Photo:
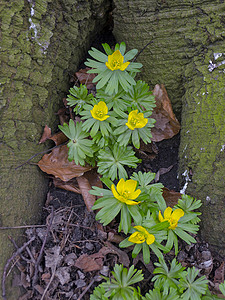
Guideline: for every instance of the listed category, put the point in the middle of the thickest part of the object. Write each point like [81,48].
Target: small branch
[35,278]
[50,281]
[8,263]
[142,50]
[86,289]
[23,226]
[39,153]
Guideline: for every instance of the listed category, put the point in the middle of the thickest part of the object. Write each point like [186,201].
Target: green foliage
[99,294]
[120,286]
[190,287]
[108,78]
[115,118]
[111,161]
[126,136]
[78,97]
[167,278]
[156,294]
[80,148]
[110,207]
[140,97]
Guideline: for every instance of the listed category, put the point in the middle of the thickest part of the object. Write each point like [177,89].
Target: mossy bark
[187,36]
[43,42]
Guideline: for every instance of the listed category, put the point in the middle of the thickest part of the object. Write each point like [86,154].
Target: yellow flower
[115,62]
[141,236]
[99,111]
[126,191]
[136,120]
[171,217]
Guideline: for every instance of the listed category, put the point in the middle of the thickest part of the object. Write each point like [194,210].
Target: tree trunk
[43,42]
[188,38]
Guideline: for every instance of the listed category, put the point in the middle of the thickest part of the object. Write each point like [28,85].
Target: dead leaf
[85,187]
[123,257]
[94,262]
[86,78]
[147,151]
[70,185]
[219,274]
[59,138]
[63,117]
[162,171]
[171,197]
[53,258]
[90,263]
[57,164]
[166,125]
[63,275]
[46,134]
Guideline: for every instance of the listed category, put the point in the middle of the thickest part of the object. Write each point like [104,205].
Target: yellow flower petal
[161,219]
[136,120]
[141,229]
[150,239]
[167,213]
[115,62]
[121,186]
[99,111]
[177,214]
[137,238]
[115,194]
[129,125]
[135,194]
[124,66]
[130,185]
[130,202]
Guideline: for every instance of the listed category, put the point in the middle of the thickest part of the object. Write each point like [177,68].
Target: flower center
[140,237]
[100,113]
[116,64]
[134,122]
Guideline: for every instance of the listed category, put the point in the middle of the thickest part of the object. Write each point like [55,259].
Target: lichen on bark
[43,43]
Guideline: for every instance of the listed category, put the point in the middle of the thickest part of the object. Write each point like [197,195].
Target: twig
[39,153]
[50,281]
[23,226]
[86,289]
[35,278]
[20,254]
[7,265]
[142,50]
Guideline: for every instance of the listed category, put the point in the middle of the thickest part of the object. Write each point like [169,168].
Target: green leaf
[107,49]
[146,253]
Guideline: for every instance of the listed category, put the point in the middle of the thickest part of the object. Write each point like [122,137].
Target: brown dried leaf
[63,117]
[166,125]
[57,164]
[85,187]
[147,151]
[46,134]
[86,78]
[59,138]
[162,171]
[123,257]
[70,185]
[90,263]
[171,197]
[219,274]
[93,178]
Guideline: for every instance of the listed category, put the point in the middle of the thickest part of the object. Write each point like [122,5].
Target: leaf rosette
[113,68]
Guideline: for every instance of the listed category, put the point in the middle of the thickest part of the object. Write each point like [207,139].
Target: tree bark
[187,39]
[43,42]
